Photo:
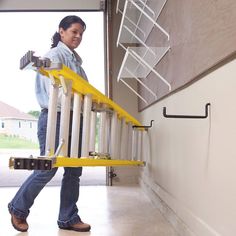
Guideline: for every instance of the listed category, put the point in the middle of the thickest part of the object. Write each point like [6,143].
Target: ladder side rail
[82,86]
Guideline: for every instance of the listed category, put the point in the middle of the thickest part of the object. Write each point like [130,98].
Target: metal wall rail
[188,116]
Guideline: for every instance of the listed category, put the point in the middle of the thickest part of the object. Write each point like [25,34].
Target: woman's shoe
[19,224]
[79,227]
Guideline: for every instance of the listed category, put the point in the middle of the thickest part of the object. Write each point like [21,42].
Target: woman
[64,43]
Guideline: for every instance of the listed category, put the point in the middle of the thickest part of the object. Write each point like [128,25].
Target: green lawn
[16,142]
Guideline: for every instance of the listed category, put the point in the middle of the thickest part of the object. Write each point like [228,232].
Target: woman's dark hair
[65,23]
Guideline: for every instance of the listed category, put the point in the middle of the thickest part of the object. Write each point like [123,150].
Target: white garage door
[16,5]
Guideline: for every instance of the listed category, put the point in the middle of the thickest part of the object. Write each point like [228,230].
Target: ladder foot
[21,163]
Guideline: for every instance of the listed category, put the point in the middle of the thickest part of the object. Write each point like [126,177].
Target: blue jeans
[29,190]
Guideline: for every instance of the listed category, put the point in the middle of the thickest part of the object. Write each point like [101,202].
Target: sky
[21,32]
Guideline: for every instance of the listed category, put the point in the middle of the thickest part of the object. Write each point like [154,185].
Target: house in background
[17,123]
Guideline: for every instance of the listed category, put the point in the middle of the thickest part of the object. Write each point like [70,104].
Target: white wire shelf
[138,62]
[138,19]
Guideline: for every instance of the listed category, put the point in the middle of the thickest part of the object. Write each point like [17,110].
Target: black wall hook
[187,116]
[143,126]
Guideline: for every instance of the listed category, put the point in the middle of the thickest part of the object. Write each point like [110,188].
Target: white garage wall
[191,166]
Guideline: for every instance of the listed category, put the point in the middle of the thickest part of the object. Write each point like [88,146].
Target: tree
[34,113]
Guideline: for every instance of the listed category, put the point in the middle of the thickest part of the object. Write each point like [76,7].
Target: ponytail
[55,39]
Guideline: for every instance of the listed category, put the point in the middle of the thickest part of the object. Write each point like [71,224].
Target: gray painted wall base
[167,212]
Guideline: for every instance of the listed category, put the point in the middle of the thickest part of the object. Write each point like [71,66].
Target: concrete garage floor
[111,211]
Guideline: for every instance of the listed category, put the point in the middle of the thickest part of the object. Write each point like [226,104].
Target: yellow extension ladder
[119,132]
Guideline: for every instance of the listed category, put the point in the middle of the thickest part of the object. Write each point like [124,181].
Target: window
[19,124]
[2,125]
